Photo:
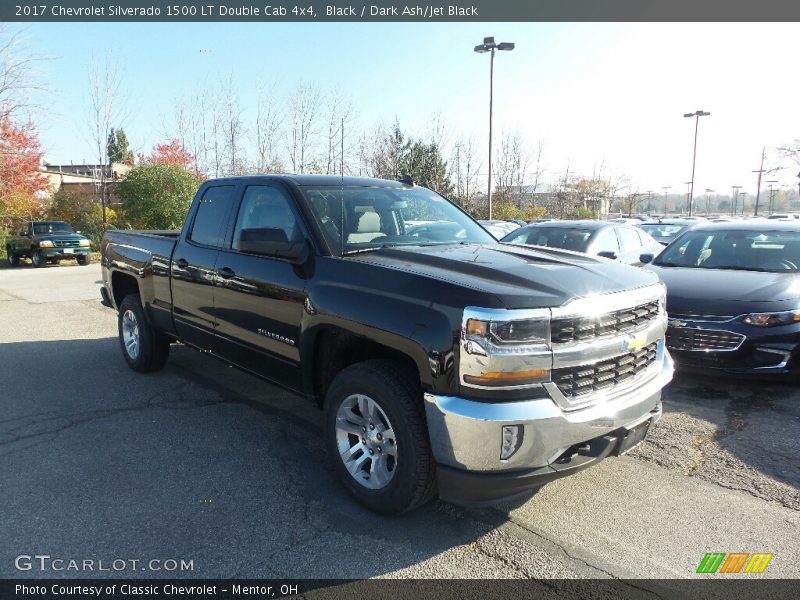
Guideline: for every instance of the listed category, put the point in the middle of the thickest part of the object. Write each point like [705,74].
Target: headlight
[772,319]
[84,243]
[45,244]
[527,331]
[500,352]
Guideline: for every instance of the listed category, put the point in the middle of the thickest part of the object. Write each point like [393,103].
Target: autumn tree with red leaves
[172,153]
[20,178]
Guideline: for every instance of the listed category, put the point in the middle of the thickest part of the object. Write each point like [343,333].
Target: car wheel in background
[83,259]
[13,259]
[38,258]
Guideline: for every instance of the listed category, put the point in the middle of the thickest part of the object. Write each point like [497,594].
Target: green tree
[425,164]
[80,210]
[118,148]
[157,196]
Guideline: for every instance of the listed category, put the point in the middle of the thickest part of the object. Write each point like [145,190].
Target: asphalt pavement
[208,466]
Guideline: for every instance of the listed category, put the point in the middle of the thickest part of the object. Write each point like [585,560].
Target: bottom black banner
[418,589]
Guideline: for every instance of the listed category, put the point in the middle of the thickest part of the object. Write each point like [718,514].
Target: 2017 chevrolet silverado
[446,362]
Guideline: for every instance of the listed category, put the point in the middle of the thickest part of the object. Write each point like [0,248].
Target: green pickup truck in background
[48,241]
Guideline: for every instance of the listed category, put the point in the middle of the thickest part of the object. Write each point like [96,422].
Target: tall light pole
[760,173]
[697,114]
[666,188]
[734,198]
[708,201]
[689,185]
[489,45]
[744,198]
[771,193]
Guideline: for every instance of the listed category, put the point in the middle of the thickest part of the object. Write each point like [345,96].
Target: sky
[601,98]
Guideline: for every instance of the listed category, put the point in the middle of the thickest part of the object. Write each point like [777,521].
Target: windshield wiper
[735,268]
[371,249]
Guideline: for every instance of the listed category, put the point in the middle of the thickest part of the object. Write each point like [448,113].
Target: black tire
[83,259]
[13,259]
[38,259]
[151,349]
[399,397]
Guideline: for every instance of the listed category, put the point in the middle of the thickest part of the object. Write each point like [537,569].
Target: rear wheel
[144,349]
[13,259]
[38,258]
[376,433]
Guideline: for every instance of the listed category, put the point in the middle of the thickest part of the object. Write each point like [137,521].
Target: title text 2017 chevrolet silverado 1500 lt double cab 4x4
[446,362]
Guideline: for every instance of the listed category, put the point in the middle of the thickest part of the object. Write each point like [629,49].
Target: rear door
[630,245]
[193,265]
[259,299]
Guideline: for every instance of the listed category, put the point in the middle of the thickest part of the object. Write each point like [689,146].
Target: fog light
[512,440]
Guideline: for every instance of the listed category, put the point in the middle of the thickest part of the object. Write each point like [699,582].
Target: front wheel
[83,259]
[144,349]
[38,259]
[376,433]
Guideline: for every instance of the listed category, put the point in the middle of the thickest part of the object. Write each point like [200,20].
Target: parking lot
[204,464]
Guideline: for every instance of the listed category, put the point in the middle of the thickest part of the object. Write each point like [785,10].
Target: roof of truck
[324,180]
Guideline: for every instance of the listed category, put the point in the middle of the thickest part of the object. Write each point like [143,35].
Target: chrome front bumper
[467,435]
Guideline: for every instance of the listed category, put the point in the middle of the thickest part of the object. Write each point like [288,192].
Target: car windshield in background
[566,238]
[661,230]
[737,249]
[52,227]
[356,219]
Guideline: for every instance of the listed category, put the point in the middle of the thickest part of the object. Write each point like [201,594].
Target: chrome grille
[584,329]
[702,339]
[66,243]
[604,375]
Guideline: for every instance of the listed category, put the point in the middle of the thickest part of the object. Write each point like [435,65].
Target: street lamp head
[481,49]
[505,46]
[488,41]
[697,113]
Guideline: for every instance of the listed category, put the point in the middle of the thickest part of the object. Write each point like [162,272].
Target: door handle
[226,273]
[182,263]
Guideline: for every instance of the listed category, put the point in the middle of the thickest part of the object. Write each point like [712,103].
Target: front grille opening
[575,382]
[702,339]
[582,329]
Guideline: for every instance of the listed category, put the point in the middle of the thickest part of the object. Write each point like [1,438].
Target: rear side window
[211,218]
[606,241]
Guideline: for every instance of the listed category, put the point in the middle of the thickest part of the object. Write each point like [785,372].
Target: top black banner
[383,11]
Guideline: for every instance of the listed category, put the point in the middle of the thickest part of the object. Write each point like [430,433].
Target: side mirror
[23,234]
[271,242]
[645,258]
[608,254]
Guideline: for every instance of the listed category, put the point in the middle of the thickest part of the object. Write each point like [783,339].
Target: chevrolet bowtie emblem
[634,343]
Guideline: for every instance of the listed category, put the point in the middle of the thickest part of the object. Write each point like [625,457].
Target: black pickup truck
[446,363]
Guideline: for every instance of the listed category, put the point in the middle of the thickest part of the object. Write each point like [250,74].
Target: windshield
[740,249]
[51,227]
[567,238]
[357,219]
[662,230]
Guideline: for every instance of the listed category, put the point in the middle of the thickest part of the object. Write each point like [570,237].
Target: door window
[265,215]
[629,239]
[209,224]
[606,241]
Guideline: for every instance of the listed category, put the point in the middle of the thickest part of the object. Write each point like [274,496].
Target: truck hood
[519,277]
[723,292]
[59,236]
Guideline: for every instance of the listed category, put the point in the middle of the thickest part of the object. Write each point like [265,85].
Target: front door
[258,299]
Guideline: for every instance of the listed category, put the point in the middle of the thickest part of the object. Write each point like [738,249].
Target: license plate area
[633,437]
[68,250]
